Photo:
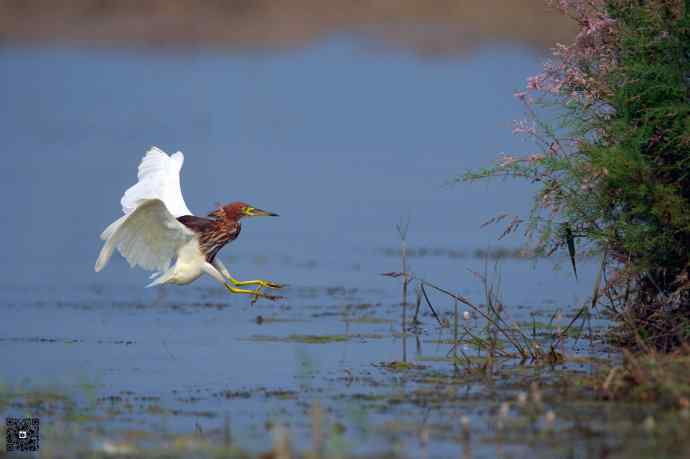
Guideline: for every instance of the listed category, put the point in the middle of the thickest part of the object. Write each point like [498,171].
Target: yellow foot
[269,284]
[258,294]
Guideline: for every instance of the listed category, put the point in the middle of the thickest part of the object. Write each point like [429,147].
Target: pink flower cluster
[577,76]
[579,69]
[524,127]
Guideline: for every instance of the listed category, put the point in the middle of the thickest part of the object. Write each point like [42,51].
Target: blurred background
[345,117]
[432,28]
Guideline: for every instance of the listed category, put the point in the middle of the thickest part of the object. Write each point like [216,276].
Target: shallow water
[344,143]
[187,356]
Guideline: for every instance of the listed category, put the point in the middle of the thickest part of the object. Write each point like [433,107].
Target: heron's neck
[230,223]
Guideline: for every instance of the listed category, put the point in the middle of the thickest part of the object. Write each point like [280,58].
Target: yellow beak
[254,212]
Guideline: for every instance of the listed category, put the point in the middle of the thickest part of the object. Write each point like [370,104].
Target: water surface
[342,140]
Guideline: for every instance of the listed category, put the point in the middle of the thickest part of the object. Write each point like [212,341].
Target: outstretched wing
[148,237]
[159,178]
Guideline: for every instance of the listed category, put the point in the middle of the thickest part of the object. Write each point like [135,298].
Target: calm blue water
[342,141]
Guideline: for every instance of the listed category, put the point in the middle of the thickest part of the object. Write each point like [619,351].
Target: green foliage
[646,143]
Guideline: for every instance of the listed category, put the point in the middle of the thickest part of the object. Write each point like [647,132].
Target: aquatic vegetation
[662,378]
[313,339]
[398,365]
[367,319]
[497,338]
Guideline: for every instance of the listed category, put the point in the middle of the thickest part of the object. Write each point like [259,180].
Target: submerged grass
[497,337]
[313,339]
[367,319]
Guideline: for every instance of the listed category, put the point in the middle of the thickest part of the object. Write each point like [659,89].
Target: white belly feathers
[189,265]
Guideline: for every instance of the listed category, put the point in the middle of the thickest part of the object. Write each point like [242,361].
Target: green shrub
[614,165]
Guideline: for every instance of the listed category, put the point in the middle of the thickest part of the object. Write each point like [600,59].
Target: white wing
[149,237]
[159,178]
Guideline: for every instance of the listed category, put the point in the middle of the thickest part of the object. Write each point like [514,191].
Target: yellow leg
[259,282]
[232,289]
[255,293]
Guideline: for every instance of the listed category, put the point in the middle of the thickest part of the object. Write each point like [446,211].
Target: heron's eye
[248,210]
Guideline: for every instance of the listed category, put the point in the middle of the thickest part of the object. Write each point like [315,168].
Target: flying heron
[157,226]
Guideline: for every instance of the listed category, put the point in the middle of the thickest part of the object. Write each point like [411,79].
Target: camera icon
[22,434]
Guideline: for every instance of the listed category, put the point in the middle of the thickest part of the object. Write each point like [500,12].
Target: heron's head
[238,210]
